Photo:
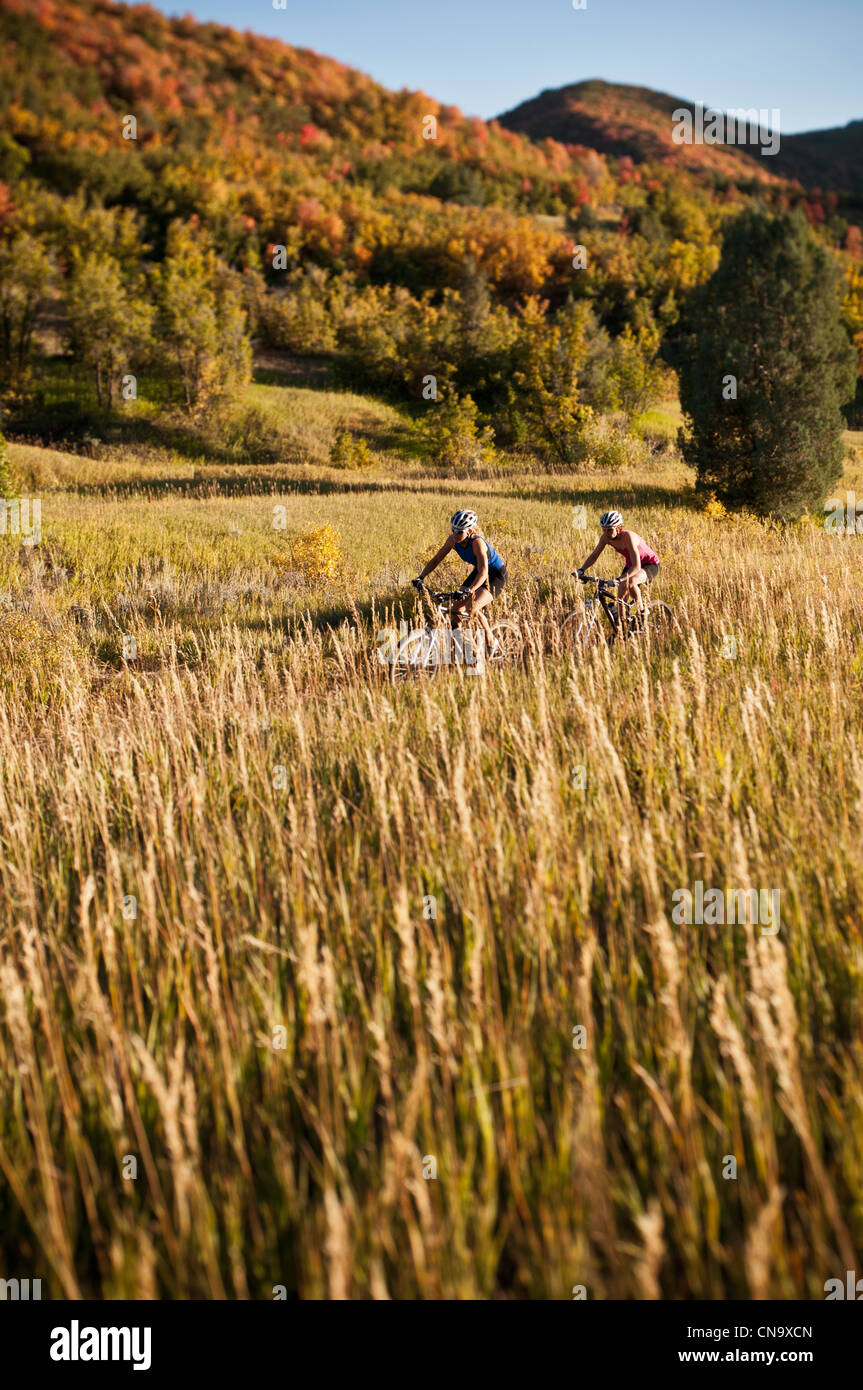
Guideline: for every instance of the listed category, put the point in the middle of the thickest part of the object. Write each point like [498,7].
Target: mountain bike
[452,642]
[585,630]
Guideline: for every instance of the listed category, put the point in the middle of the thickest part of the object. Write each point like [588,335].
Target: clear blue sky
[802,56]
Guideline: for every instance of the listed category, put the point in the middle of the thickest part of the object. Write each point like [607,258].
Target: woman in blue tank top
[488,575]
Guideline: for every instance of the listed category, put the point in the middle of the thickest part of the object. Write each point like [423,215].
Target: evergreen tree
[765,365]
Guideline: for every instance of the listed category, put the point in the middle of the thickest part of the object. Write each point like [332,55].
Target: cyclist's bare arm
[436,559]
[594,554]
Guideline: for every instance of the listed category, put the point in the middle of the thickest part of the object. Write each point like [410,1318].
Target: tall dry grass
[302,900]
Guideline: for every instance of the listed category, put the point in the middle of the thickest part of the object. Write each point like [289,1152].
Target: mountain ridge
[626,120]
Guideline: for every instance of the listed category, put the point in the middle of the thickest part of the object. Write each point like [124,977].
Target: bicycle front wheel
[582,632]
[507,643]
[417,655]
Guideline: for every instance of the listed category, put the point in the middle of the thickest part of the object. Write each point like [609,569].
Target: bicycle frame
[624,624]
[442,604]
[451,641]
[454,641]
[602,595]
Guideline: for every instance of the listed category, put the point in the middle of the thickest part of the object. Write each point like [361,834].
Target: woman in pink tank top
[641,565]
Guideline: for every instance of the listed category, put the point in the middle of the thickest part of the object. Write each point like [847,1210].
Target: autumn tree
[108,322]
[544,397]
[26,274]
[202,320]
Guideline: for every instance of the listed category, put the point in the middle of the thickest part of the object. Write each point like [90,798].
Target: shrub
[607,445]
[635,377]
[315,554]
[248,433]
[390,338]
[299,319]
[455,436]
[35,662]
[713,508]
[544,400]
[349,451]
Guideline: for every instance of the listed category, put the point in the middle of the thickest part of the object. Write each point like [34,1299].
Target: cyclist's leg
[636,581]
[459,610]
[646,578]
[630,584]
[493,585]
[481,601]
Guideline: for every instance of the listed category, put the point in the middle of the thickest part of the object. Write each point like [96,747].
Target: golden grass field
[301,901]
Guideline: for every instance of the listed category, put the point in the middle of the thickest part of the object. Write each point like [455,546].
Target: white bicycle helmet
[611,519]
[463,521]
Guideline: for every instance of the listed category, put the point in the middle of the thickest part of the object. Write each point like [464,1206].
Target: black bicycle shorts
[650,570]
[494,583]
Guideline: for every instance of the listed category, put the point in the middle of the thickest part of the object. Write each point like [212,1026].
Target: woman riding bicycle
[641,563]
[485,580]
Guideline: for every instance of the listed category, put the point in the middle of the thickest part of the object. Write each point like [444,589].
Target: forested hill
[636,123]
[324,214]
[255,119]
[255,111]
[628,122]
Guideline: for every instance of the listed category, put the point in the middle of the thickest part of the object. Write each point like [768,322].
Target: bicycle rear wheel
[657,621]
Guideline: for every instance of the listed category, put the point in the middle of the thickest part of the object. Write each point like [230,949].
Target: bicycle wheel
[582,632]
[657,621]
[417,655]
[507,643]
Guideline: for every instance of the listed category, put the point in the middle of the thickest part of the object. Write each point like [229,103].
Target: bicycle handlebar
[595,579]
[437,595]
